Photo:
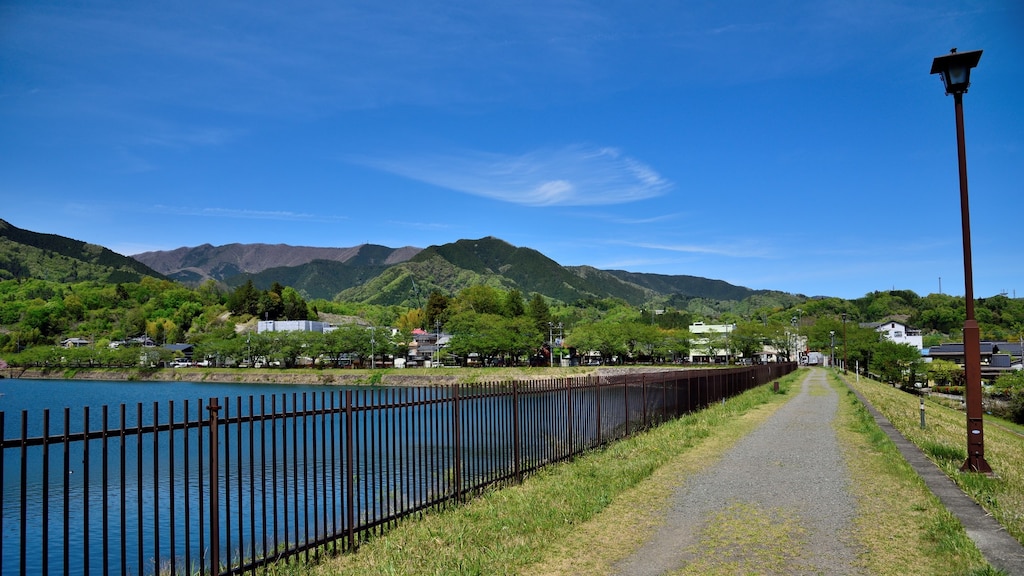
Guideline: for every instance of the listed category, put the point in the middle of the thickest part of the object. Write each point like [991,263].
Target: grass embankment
[583,516]
[505,531]
[902,527]
[944,441]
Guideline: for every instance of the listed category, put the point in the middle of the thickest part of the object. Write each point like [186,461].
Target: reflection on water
[284,475]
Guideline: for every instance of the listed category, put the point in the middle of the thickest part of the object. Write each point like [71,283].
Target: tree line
[486,320]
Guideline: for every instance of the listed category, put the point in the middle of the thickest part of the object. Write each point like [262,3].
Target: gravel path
[777,503]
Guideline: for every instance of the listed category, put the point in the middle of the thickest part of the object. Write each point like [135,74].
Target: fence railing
[225,486]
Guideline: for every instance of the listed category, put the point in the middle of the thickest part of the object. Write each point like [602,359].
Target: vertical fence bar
[138,492]
[124,515]
[252,481]
[67,481]
[273,464]
[23,544]
[263,471]
[238,483]
[214,481]
[457,442]
[46,492]
[105,547]
[201,476]
[156,487]
[625,403]
[3,439]
[569,417]
[335,459]
[295,461]
[172,548]
[517,456]
[85,491]
[323,466]
[227,484]
[350,496]
[186,494]
[643,398]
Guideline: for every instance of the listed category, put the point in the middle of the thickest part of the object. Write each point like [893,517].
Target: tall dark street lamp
[955,69]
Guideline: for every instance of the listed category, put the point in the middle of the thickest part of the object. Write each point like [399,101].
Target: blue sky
[801,147]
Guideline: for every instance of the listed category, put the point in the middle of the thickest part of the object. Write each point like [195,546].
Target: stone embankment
[329,377]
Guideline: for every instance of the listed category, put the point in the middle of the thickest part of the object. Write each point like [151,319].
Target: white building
[895,331]
[293,326]
[706,335]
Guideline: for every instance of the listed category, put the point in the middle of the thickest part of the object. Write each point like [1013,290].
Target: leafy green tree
[945,373]
[293,305]
[245,299]
[603,336]
[515,303]
[436,310]
[749,338]
[898,364]
[539,312]
[270,306]
[481,299]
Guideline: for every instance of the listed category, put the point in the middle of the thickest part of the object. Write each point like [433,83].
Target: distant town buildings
[293,326]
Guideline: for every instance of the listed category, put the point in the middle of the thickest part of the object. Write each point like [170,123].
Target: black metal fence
[227,486]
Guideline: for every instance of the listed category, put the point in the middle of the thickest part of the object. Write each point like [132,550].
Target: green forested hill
[317,279]
[26,254]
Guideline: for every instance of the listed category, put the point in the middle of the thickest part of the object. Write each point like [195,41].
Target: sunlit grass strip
[944,441]
[902,527]
[506,530]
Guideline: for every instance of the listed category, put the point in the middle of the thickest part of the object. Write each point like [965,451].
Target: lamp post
[832,353]
[551,345]
[846,359]
[796,337]
[373,342]
[955,70]
[437,344]
[561,340]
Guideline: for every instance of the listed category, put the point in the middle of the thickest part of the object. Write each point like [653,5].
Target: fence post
[213,408]
[456,432]
[643,397]
[569,416]
[517,456]
[350,489]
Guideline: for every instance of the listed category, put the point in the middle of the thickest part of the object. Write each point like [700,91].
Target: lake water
[37,395]
[81,500]
[387,475]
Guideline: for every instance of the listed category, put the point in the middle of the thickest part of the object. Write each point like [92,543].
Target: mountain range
[26,254]
[405,276]
[366,273]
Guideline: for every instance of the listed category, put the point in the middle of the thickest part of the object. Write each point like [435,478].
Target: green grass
[581,517]
[944,441]
[902,526]
[505,531]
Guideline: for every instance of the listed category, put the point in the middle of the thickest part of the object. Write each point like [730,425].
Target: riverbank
[326,377]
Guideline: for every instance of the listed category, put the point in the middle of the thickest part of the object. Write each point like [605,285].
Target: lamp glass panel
[957,75]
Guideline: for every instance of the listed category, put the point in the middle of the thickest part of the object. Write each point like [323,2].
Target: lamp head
[955,69]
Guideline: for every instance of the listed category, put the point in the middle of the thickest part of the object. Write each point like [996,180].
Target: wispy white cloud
[571,176]
[423,226]
[639,221]
[733,251]
[238,213]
